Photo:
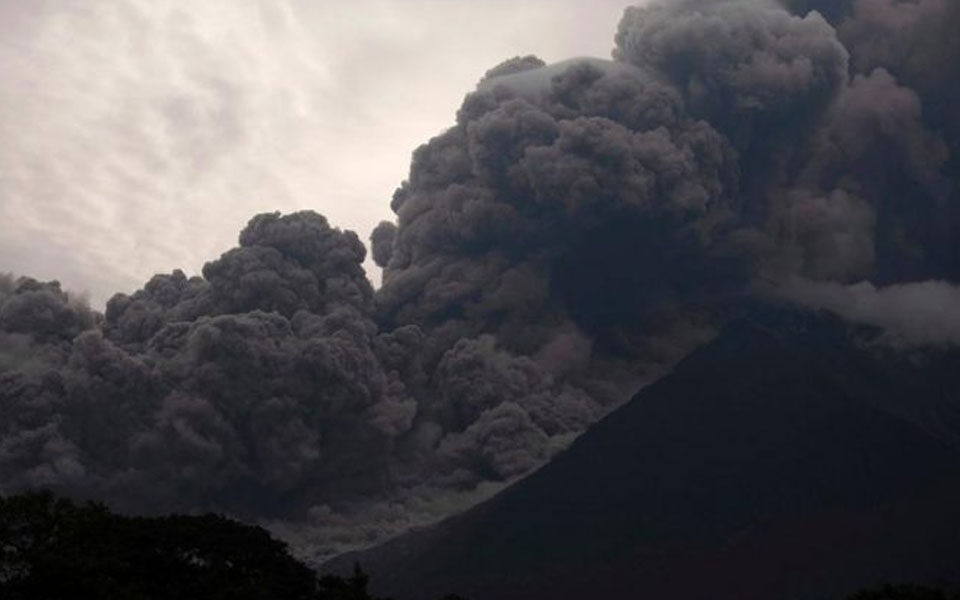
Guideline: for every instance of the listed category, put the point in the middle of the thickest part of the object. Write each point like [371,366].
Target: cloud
[143,134]
[922,313]
[575,230]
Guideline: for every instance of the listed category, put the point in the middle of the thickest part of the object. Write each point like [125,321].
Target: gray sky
[138,136]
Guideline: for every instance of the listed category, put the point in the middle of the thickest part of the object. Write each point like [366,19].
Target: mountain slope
[784,460]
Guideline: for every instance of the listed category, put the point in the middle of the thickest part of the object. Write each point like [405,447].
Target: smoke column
[579,228]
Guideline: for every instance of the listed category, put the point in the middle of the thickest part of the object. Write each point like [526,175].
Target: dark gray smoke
[909,46]
[238,391]
[579,228]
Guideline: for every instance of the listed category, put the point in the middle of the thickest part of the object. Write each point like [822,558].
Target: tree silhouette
[52,549]
[903,592]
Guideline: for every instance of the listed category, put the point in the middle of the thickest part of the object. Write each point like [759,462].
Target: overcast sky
[138,136]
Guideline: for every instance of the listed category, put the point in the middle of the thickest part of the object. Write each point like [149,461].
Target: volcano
[794,456]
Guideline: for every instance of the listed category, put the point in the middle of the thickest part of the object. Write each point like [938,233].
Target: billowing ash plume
[579,228]
[237,390]
[911,47]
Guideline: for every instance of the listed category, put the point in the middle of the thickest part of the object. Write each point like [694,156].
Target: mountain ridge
[789,441]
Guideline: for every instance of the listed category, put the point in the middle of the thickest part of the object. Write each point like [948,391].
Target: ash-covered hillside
[791,457]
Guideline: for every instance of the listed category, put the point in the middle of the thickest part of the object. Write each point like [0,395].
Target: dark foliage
[331,587]
[52,548]
[904,592]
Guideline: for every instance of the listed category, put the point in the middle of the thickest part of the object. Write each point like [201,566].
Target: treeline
[53,548]
[904,592]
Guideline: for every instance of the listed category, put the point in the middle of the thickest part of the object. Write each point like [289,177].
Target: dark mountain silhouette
[792,457]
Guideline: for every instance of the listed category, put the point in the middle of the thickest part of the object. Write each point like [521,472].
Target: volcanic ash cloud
[579,228]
